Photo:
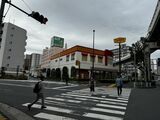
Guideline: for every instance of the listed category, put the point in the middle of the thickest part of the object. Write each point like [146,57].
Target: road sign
[120,40]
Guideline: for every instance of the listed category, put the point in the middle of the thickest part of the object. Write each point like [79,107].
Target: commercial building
[78,61]
[12,47]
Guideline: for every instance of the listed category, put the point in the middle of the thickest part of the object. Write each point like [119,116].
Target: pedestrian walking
[119,84]
[91,85]
[39,90]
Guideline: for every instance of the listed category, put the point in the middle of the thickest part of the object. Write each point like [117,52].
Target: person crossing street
[39,93]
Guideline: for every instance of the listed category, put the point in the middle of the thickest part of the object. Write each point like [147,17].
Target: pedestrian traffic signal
[39,17]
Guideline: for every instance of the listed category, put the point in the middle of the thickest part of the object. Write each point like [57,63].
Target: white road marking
[65,87]
[52,117]
[63,104]
[111,106]
[108,99]
[15,85]
[115,103]
[51,108]
[122,98]
[66,100]
[108,111]
[102,117]
[61,88]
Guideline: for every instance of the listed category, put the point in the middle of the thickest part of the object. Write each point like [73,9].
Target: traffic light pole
[2,10]
[43,20]
[17,7]
[3,6]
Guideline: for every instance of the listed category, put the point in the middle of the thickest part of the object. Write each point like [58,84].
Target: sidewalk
[144,104]
[12,113]
[2,117]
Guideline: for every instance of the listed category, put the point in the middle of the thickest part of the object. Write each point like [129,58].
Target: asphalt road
[64,102]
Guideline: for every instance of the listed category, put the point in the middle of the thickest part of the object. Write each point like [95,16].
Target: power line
[26,5]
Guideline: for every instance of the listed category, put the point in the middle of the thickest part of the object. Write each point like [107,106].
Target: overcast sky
[75,20]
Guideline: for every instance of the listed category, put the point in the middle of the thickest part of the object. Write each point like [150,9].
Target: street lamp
[93,55]
[92,78]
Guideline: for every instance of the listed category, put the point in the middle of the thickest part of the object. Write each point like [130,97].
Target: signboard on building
[120,40]
[57,42]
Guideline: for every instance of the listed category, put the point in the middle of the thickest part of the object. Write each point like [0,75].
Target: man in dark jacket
[39,94]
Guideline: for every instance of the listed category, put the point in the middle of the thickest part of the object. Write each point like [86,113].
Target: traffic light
[39,17]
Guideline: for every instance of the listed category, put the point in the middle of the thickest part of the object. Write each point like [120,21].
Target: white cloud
[75,19]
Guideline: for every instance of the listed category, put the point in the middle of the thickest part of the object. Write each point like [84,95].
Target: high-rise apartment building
[12,47]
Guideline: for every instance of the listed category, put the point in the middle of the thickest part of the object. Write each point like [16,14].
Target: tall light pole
[93,55]
[92,80]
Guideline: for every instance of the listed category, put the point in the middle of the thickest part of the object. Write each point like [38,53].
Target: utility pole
[93,55]
[120,58]
[2,10]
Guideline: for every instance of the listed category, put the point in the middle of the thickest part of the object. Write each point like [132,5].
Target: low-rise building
[80,59]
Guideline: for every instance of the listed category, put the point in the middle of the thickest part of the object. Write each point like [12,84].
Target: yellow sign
[120,40]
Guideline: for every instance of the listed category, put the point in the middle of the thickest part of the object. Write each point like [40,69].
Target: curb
[13,113]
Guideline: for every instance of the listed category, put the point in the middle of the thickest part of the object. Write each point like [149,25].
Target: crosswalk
[78,105]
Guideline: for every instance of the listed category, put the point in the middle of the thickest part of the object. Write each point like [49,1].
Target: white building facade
[80,58]
[46,55]
[12,47]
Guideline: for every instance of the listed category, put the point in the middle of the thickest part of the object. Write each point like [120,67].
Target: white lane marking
[33,86]
[77,93]
[53,102]
[15,85]
[107,111]
[66,100]
[52,117]
[115,103]
[108,99]
[122,98]
[51,108]
[111,106]
[125,97]
[61,83]
[65,87]
[63,104]
[77,98]
[102,117]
